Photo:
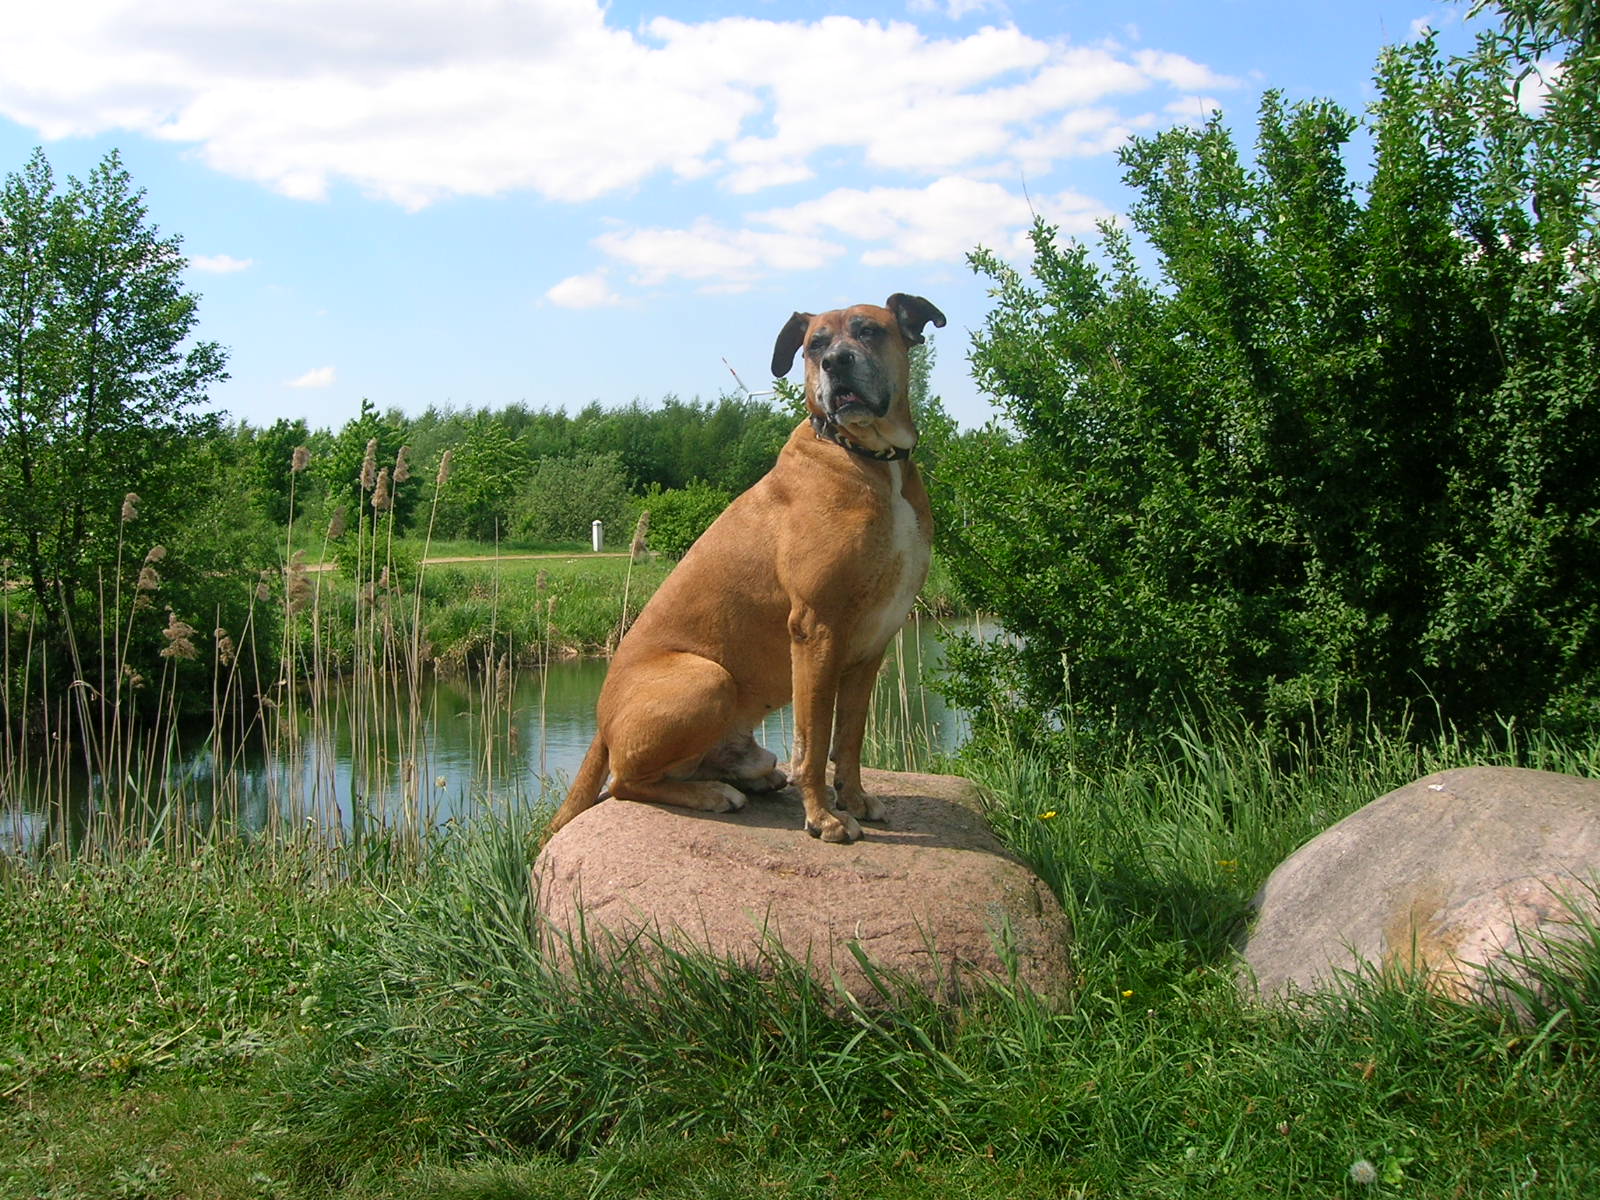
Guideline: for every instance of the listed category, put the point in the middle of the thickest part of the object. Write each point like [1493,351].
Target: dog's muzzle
[853,387]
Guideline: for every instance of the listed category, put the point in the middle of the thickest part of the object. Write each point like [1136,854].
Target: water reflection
[348,762]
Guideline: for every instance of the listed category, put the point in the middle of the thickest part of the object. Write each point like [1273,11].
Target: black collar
[828,431]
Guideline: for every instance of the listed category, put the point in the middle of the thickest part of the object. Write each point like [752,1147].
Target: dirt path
[489,558]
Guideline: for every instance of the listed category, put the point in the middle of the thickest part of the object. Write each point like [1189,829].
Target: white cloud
[317,377]
[938,223]
[714,256]
[583,291]
[220,264]
[418,100]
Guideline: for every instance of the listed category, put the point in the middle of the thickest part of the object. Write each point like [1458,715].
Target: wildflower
[1048,816]
[1128,995]
[299,459]
[1363,1172]
[130,507]
[178,634]
[369,466]
[1228,864]
[402,466]
[444,468]
[380,494]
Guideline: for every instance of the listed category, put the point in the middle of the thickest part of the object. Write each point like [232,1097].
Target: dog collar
[827,431]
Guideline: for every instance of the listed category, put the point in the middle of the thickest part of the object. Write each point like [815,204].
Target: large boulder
[1450,875]
[930,895]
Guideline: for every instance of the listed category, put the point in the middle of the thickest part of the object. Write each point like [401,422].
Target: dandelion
[380,494]
[299,459]
[1363,1172]
[444,468]
[179,635]
[402,465]
[369,466]
[130,507]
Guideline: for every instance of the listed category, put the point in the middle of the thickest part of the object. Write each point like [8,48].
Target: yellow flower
[1128,995]
[1045,816]
[1227,864]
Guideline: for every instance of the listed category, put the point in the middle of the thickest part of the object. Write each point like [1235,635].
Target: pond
[346,760]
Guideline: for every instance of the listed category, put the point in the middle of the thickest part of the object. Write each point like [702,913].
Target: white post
[597,530]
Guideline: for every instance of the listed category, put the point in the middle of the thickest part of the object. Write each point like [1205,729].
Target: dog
[793,592]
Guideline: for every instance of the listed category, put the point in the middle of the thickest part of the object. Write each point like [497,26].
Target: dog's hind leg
[742,761]
[676,713]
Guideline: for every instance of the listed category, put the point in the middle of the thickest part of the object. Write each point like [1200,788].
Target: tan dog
[795,590]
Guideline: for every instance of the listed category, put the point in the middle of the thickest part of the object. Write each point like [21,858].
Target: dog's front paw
[862,804]
[835,827]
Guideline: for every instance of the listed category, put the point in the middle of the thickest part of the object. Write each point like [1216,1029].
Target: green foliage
[680,515]
[561,497]
[1342,451]
[99,378]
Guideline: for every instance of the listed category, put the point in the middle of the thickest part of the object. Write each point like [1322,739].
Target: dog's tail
[585,791]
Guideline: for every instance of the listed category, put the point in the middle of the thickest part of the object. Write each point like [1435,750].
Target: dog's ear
[789,339]
[913,313]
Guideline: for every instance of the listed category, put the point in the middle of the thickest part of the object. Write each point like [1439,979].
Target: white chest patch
[905,568]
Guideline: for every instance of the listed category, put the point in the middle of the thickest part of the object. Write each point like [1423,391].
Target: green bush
[680,515]
[563,496]
[1340,451]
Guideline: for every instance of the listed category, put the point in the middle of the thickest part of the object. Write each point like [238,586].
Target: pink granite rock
[928,895]
[1451,874]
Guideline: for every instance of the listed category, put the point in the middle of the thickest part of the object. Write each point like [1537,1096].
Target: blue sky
[480,202]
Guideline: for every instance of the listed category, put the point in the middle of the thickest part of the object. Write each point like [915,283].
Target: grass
[254,1025]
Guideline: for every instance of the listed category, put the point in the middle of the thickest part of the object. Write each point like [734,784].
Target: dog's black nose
[838,358]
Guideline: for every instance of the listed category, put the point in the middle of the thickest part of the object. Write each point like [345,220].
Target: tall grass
[450,1036]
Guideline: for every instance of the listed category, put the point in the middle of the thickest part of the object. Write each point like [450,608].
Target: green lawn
[289,1024]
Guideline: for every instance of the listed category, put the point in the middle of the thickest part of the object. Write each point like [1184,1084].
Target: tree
[1343,451]
[560,497]
[100,379]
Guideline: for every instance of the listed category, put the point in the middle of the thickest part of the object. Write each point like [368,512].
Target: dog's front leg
[849,731]
[815,655]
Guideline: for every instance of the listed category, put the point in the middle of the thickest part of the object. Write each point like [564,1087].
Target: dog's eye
[818,344]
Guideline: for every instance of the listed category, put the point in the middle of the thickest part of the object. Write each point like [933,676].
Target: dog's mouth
[853,406]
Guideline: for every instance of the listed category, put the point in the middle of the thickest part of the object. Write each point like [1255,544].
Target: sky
[475,203]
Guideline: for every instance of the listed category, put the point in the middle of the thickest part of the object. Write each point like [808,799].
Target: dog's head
[857,368]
